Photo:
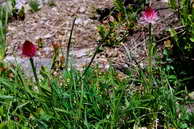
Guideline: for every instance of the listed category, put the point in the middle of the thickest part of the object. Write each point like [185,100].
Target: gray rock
[25,63]
[78,59]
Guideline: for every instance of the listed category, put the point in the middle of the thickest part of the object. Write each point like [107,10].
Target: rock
[79,21]
[82,9]
[25,63]
[20,3]
[78,59]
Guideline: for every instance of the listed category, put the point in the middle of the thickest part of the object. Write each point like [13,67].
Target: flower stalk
[34,71]
[29,50]
[150,54]
[149,17]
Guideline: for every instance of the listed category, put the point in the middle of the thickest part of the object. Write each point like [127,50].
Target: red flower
[28,49]
[149,16]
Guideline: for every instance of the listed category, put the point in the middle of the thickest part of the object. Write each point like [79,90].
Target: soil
[52,24]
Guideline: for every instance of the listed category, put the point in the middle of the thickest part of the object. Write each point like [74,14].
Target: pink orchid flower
[149,16]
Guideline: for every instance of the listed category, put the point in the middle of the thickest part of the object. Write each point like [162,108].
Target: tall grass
[5,12]
[3,22]
[99,100]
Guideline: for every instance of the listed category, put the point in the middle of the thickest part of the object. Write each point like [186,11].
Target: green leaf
[6,97]
[191,95]
[173,33]
[192,39]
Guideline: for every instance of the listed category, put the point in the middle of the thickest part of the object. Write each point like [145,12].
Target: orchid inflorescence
[149,16]
[29,49]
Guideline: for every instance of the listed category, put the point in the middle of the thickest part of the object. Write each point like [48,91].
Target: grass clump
[34,5]
[99,100]
[5,12]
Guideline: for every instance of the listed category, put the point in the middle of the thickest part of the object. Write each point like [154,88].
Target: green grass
[34,5]
[3,23]
[5,13]
[99,100]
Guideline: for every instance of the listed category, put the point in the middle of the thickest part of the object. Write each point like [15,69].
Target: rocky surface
[52,24]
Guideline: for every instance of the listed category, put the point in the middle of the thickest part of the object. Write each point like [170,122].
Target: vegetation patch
[156,93]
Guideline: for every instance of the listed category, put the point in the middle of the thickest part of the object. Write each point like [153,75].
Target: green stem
[150,50]
[34,72]
[69,43]
[92,59]
[95,53]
